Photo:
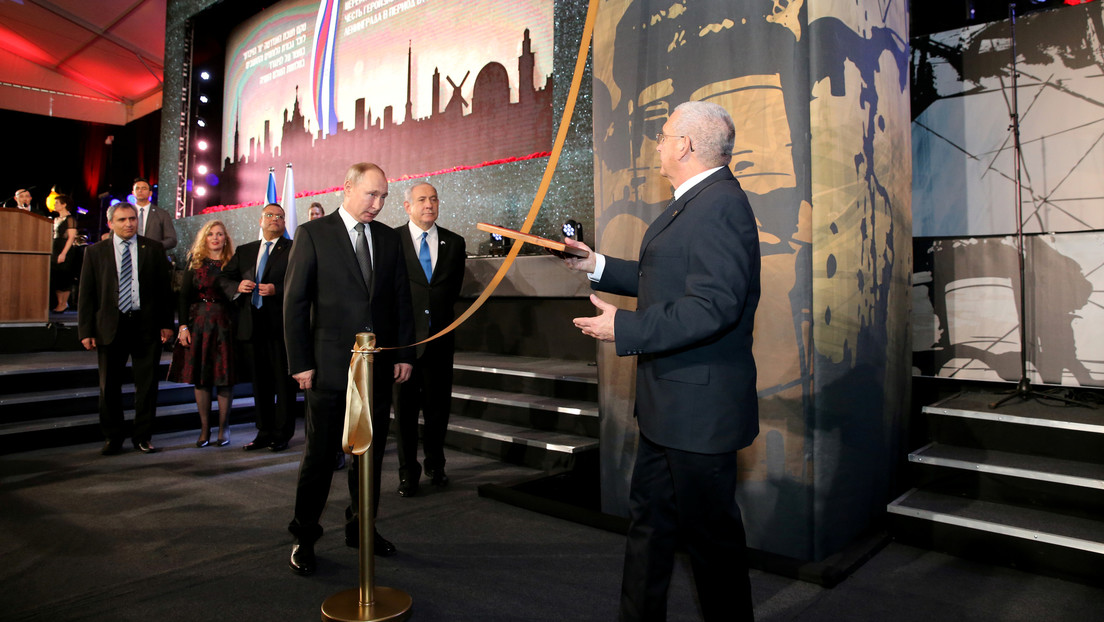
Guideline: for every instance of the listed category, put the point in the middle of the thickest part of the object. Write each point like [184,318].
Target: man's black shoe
[111,448]
[145,447]
[279,445]
[257,443]
[437,477]
[408,488]
[302,559]
[383,547]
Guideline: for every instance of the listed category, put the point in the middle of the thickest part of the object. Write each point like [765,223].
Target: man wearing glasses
[254,280]
[697,285]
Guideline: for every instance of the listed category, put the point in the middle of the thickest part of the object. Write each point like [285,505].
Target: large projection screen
[417,86]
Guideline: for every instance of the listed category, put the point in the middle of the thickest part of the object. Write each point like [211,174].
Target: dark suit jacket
[98,306]
[243,267]
[326,302]
[159,226]
[697,287]
[435,300]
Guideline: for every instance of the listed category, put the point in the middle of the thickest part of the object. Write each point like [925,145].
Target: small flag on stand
[270,191]
[289,203]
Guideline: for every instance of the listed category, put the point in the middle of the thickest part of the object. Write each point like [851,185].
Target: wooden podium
[24,266]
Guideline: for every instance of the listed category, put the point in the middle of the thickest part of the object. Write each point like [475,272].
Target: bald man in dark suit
[697,287]
[254,280]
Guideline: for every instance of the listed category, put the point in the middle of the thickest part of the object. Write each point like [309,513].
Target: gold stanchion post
[368,602]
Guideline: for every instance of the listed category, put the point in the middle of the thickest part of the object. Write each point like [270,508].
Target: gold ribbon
[357,437]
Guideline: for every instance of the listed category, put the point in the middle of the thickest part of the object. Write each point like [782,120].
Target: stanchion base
[389,604]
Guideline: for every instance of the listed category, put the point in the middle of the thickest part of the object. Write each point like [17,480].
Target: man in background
[153,222]
[435,264]
[125,311]
[254,280]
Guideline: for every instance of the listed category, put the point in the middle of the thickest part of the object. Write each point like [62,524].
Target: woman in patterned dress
[204,355]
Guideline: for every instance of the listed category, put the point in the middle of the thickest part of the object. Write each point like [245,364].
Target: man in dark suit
[346,275]
[125,311]
[254,280]
[153,222]
[697,286]
[435,263]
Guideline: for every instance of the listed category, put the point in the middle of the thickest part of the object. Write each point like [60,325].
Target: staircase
[50,399]
[541,413]
[1021,485]
[537,412]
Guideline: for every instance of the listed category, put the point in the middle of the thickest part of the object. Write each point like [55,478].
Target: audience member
[153,222]
[23,199]
[254,280]
[435,264]
[65,232]
[204,354]
[125,311]
[315,212]
[346,275]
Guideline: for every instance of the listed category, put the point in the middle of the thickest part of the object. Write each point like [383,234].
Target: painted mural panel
[963,104]
[861,259]
[648,58]
[820,102]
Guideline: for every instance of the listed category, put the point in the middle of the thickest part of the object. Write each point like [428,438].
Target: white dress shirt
[432,239]
[600,259]
[350,226]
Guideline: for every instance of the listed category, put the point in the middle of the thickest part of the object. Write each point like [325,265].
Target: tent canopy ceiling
[98,60]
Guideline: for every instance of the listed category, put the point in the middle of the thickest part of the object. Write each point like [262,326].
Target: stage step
[527,367]
[1029,413]
[519,445]
[1029,524]
[538,412]
[1041,468]
[541,413]
[58,423]
[1021,485]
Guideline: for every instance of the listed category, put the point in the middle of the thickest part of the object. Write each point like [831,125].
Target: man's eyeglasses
[273,217]
[660,136]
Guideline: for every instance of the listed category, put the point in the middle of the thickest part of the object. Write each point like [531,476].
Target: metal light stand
[369,602]
[1023,389]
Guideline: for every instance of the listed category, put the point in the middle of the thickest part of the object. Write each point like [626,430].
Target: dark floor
[198,534]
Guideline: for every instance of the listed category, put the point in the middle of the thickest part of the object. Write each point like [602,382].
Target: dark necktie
[425,258]
[364,256]
[257,300]
[124,279]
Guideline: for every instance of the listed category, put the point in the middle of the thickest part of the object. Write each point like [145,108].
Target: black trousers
[680,498]
[324,427]
[145,352]
[429,390]
[273,387]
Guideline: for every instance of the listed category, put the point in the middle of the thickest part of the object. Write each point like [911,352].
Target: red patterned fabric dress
[209,360]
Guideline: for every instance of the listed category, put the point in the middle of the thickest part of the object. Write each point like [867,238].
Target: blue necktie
[257,301]
[425,258]
[124,279]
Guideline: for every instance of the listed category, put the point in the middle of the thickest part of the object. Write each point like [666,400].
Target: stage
[190,534]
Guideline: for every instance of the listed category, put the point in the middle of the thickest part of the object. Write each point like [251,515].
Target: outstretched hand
[601,326]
